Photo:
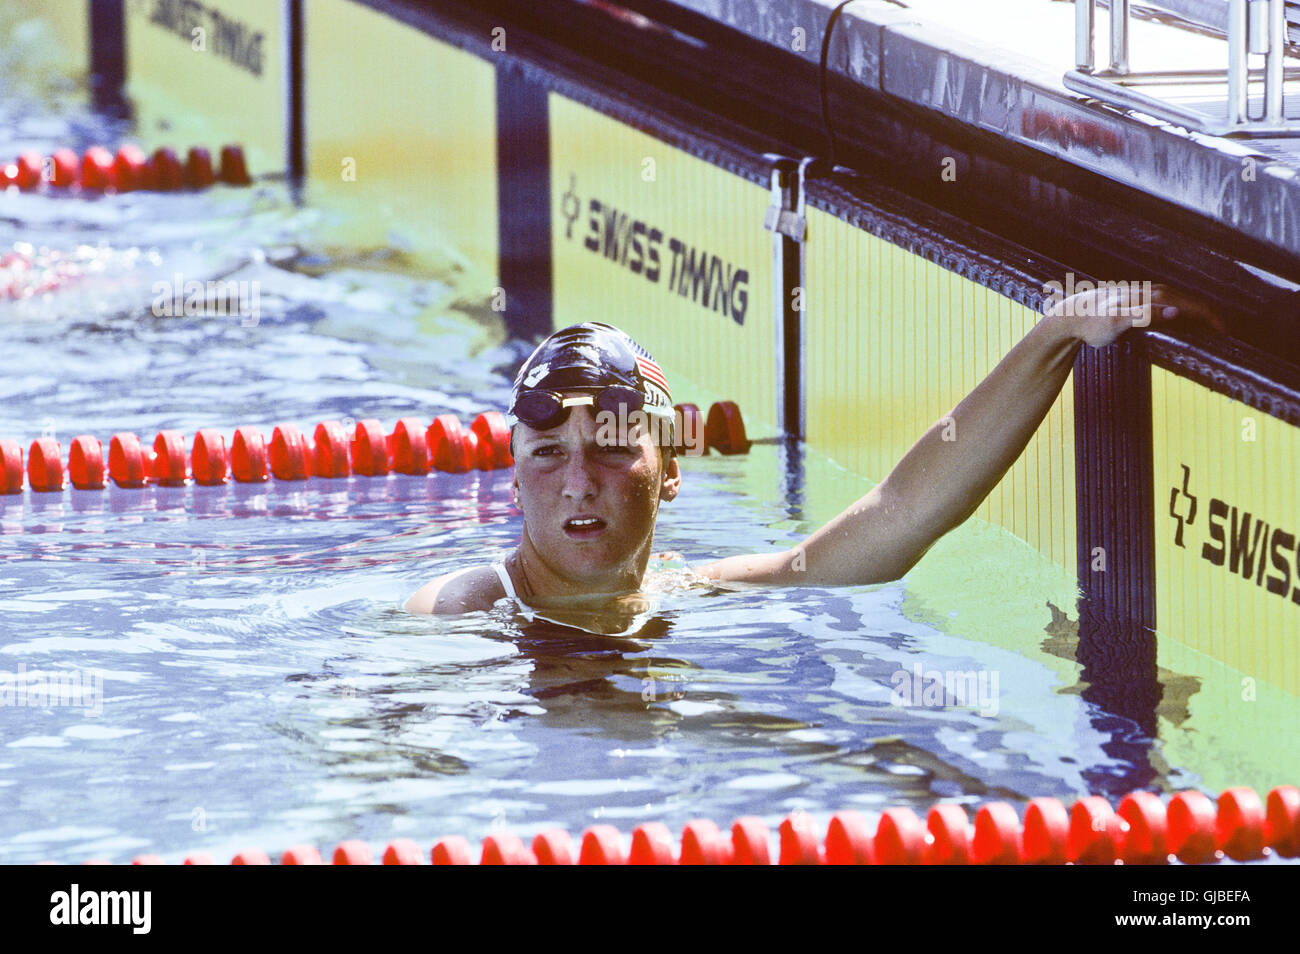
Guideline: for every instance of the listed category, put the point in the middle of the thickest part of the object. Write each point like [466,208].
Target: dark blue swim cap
[589,357]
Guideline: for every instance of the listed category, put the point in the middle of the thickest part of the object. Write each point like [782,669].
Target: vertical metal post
[1238,55]
[787,279]
[1273,62]
[295,144]
[1119,36]
[1084,15]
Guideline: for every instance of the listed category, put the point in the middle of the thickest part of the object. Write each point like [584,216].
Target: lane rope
[1142,829]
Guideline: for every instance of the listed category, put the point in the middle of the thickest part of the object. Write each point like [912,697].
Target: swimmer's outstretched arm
[939,483]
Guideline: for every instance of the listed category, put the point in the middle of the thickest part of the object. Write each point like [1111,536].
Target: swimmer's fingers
[1099,316]
[1171,303]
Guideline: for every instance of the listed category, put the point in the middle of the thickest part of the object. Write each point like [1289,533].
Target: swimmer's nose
[579,481]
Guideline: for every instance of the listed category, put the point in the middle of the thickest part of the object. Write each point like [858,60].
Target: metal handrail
[1251,26]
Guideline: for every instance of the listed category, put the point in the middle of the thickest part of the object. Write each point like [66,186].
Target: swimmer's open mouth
[584,527]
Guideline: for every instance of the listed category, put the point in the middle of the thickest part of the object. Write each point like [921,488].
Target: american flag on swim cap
[650,371]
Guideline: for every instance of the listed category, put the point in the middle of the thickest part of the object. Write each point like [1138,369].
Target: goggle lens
[543,410]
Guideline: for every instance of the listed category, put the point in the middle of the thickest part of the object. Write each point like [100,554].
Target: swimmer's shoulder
[462,591]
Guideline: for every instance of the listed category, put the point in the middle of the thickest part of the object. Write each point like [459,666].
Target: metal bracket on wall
[786,218]
[1251,27]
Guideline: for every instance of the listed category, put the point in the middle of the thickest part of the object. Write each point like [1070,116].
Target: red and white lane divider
[411,448]
[99,170]
[1142,830]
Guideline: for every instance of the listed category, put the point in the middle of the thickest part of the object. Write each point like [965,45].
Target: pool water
[259,684]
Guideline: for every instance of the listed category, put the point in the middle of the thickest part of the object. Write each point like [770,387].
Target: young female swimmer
[590,502]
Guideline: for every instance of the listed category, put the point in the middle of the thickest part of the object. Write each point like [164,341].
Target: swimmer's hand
[1098,316]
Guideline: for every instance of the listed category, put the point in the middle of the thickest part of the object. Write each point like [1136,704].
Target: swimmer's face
[589,502]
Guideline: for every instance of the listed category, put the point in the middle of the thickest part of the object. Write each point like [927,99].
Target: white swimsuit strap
[504,576]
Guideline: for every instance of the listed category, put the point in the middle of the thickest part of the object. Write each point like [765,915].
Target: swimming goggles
[543,410]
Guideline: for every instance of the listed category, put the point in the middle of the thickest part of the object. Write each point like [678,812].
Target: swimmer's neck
[538,583]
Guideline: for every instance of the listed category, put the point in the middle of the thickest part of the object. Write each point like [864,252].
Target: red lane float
[997,835]
[403,851]
[330,456]
[446,445]
[65,167]
[288,453]
[750,842]
[234,171]
[126,463]
[503,848]
[1144,841]
[131,169]
[97,170]
[1239,827]
[208,460]
[31,167]
[11,456]
[369,452]
[949,836]
[554,847]
[452,851]
[248,460]
[704,844]
[198,168]
[799,842]
[45,465]
[353,852]
[652,844]
[407,452]
[1190,821]
[900,838]
[86,463]
[1095,832]
[167,463]
[725,429]
[602,845]
[1283,821]
[493,441]
[165,171]
[301,855]
[849,840]
[1046,832]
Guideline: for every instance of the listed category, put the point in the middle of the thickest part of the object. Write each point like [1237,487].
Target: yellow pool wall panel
[62,47]
[207,75]
[893,342]
[401,146]
[640,230]
[1239,729]
[1231,591]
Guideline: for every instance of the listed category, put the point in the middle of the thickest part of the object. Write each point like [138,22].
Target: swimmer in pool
[590,493]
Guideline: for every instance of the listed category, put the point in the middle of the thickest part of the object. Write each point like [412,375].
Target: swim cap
[589,357]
